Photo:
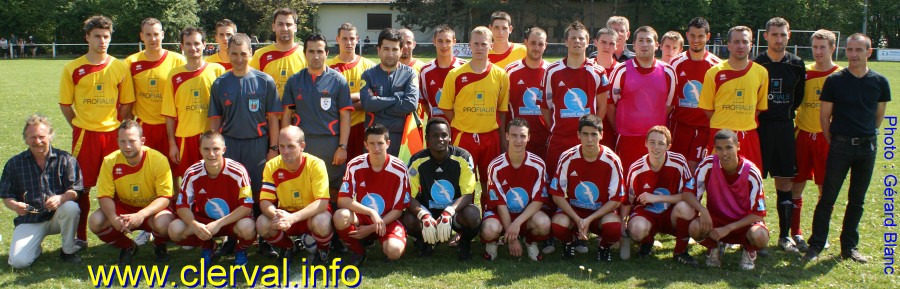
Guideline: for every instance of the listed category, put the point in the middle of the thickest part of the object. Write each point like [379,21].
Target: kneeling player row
[376,200]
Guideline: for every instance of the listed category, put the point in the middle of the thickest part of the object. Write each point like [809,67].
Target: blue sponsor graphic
[374,202]
[586,196]
[345,187]
[516,200]
[437,100]
[659,207]
[406,198]
[576,103]
[442,193]
[530,99]
[493,195]
[762,205]
[691,93]
[554,184]
[216,208]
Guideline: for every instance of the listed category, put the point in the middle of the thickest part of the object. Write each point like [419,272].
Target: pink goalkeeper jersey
[641,96]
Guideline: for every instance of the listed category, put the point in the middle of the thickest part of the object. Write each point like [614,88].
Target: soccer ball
[305,242]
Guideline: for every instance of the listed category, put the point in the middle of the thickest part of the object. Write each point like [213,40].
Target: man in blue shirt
[389,91]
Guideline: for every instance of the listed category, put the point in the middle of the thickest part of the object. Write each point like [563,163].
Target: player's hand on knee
[429,227]
[515,247]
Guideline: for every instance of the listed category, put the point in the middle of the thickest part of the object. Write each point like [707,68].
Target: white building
[369,17]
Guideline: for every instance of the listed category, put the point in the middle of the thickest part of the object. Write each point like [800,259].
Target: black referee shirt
[787,79]
[855,101]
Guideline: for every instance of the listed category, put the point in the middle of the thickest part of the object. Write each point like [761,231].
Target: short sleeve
[708,93]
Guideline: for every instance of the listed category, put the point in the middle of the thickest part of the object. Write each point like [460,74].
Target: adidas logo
[682,74]
[561,83]
[432,82]
[504,182]
[363,184]
[202,192]
[439,170]
[521,82]
[573,174]
[646,186]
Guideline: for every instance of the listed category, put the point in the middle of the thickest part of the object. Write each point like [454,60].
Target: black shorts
[776,144]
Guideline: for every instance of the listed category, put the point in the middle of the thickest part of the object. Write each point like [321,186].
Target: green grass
[28,86]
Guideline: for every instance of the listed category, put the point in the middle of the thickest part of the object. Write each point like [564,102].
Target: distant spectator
[4,47]
[32,46]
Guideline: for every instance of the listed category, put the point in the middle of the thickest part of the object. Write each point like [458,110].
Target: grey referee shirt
[24,181]
[243,103]
[318,100]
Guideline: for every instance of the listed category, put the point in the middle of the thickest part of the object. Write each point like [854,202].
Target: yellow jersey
[475,98]
[150,81]
[808,112]
[187,98]
[280,65]
[515,52]
[735,95]
[352,71]
[135,186]
[293,191]
[226,63]
[95,92]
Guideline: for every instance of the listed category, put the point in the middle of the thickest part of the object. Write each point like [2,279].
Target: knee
[471,217]
[491,228]
[176,230]
[410,222]
[97,221]
[561,220]
[68,210]
[393,249]
[540,223]
[20,261]
[683,210]
[161,223]
[696,231]
[758,236]
[263,226]
[342,218]
[321,224]
[638,228]
[245,229]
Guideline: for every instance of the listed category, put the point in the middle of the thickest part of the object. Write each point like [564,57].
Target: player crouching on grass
[294,198]
[215,200]
[442,183]
[372,198]
[517,186]
[587,188]
[735,206]
[134,191]
[654,183]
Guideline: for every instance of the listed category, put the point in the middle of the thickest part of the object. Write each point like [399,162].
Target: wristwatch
[274,148]
[343,146]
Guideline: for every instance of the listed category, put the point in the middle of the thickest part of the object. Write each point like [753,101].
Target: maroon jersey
[588,185]
[669,180]
[382,191]
[570,93]
[431,81]
[215,198]
[690,74]
[516,188]
[526,97]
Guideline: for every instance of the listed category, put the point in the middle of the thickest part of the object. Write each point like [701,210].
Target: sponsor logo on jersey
[691,92]
[374,202]
[586,196]
[516,200]
[530,99]
[135,190]
[442,193]
[325,103]
[576,102]
[659,207]
[345,187]
[762,205]
[216,208]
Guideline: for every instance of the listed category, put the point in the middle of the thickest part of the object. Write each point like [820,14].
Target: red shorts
[555,148]
[630,149]
[483,147]
[123,209]
[89,148]
[594,227]
[812,151]
[690,141]
[157,138]
[749,141]
[394,230]
[188,152]
[739,235]
[356,142]
[659,223]
[227,230]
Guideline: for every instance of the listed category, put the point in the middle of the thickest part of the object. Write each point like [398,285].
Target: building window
[379,21]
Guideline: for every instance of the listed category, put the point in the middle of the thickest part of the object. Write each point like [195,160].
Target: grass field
[29,86]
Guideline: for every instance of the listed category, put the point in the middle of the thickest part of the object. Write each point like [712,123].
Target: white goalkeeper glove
[429,227]
[444,227]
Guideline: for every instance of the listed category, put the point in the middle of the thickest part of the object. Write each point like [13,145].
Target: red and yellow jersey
[515,52]
[475,98]
[417,65]
[150,81]
[215,197]
[187,98]
[352,71]
[735,95]
[226,63]
[95,92]
[808,112]
[135,186]
[280,65]
[293,191]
